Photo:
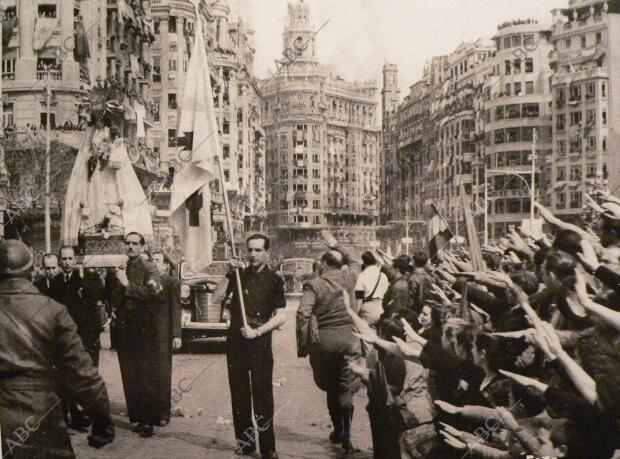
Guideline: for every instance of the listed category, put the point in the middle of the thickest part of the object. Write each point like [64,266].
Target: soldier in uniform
[249,352]
[41,355]
[137,298]
[323,297]
[168,327]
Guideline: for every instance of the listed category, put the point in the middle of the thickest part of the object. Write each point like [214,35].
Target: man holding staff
[249,353]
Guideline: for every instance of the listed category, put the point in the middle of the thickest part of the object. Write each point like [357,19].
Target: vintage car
[200,316]
[295,272]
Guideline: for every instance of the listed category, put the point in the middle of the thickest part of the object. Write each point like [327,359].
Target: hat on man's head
[15,257]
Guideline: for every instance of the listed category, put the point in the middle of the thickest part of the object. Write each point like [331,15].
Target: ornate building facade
[230,51]
[323,142]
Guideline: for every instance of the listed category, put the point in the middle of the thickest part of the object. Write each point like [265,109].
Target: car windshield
[217,268]
[297,266]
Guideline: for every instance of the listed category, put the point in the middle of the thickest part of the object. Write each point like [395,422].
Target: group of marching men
[520,359]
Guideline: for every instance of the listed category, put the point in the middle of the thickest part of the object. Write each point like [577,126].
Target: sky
[362,35]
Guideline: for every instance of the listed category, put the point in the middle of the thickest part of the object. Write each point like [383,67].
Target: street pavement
[302,423]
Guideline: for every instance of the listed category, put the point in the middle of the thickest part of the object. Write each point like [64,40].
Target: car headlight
[185,291]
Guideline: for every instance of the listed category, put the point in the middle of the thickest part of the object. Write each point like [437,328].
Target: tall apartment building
[514,100]
[455,120]
[230,51]
[586,102]
[323,141]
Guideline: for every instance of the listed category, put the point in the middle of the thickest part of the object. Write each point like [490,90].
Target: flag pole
[231,233]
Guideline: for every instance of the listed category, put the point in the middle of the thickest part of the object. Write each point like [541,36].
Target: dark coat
[138,302]
[168,326]
[40,355]
[136,328]
[43,285]
[80,296]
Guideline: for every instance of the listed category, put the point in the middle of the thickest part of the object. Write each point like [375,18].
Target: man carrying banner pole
[439,233]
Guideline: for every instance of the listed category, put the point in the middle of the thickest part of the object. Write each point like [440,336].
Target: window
[530,110]
[516,65]
[517,89]
[52,120]
[591,117]
[590,90]
[316,174]
[604,144]
[172,101]
[529,87]
[172,65]
[508,89]
[172,137]
[561,147]
[283,204]
[499,136]
[508,66]
[575,93]
[226,151]
[560,173]
[156,69]
[506,42]
[590,170]
[316,188]
[172,24]
[567,43]
[591,143]
[316,204]
[575,199]
[499,112]
[529,65]
[575,118]
[226,127]
[8,69]
[315,159]
[156,102]
[317,219]
[603,89]
[575,145]
[560,121]
[599,38]
[604,118]
[156,27]
[226,175]
[527,134]
[560,200]
[575,172]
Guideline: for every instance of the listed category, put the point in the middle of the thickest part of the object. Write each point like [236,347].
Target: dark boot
[347,419]
[336,435]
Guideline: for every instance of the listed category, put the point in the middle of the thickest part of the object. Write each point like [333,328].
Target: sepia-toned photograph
[310,229]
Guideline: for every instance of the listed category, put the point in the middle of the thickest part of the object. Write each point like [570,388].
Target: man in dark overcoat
[81,292]
[41,356]
[168,330]
[138,291]
[50,269]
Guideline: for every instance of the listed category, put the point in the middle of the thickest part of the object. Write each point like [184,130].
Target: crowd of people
[518,358]
[50,342]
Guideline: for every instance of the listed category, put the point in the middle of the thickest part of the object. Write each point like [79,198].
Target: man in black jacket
[136,294]
[50,266]
[81,292]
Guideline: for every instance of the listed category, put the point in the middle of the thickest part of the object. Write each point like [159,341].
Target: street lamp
[519,174]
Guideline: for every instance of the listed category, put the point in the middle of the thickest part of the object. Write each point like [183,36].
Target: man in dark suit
[138,290]
[81,292]
[168,332]
[50,266]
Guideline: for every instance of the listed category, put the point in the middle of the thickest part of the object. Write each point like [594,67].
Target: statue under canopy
[104,197]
